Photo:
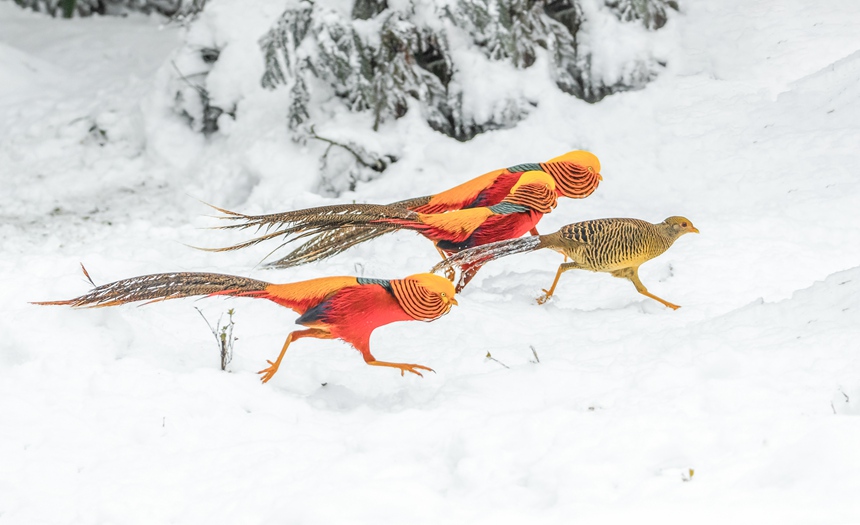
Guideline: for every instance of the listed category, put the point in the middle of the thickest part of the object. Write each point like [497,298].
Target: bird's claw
[269,372]
[407,367]
[544,298]
[411,368]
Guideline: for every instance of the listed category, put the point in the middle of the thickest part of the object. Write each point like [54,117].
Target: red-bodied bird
[576,175]
[345,308]
[533,195]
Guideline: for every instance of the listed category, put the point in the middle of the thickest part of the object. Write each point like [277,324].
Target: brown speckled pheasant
[615,246]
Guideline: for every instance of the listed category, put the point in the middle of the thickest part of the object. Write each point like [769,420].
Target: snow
[121,415]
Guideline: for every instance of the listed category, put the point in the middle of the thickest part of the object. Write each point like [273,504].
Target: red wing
[497,228]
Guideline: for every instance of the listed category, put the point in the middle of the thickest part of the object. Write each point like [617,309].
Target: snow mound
[24,76]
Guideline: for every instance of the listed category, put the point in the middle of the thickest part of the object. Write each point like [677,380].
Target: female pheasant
[345,308]
[532,196]
[575,174]
[615,246]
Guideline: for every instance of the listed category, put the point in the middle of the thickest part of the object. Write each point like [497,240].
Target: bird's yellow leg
[633,275]
[561,269]
[450,274]
[298,334]
[403,367]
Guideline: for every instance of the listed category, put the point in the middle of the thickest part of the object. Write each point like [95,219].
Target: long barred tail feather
[312,221]
[328,244]
[480,255]
[340,214]
[333,242]
[411,204]
[163,286]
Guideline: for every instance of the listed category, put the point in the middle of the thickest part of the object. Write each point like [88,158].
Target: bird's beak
[453,301]
[599,177]
[694,229]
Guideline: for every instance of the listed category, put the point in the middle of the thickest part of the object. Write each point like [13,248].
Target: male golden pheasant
[345,308]
[615,246]
[533,195]
[575,174]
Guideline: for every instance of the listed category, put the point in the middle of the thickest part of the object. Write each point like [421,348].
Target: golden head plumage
[535,189]
[585,158]
[534,177]
[576,173]
[437,284]
[424,296]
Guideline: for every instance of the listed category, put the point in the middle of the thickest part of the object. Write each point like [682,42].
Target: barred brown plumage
[309,221]
[615,246]
[161,287]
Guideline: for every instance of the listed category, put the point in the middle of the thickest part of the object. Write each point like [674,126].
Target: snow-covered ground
[742,406]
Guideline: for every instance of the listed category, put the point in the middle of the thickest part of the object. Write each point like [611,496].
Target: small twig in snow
[490,357]
[223,336]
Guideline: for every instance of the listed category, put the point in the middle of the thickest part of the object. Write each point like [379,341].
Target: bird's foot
[450,274]
[672,306]
[403,367]
[544,298]
[270,371]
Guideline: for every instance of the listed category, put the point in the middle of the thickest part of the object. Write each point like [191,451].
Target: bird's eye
[444,294]
[683,225]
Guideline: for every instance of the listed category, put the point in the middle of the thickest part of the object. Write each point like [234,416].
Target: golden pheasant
[345,308]
[533,195]
[615,246]
[575,174]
